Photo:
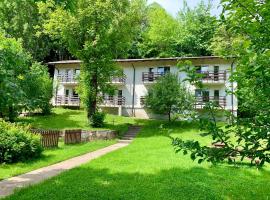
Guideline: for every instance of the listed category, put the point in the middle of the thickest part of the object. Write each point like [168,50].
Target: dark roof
[139,60]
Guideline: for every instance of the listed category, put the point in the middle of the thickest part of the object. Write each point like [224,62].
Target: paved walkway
[9,185]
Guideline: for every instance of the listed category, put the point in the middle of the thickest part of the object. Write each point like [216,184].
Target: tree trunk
[169,116]
[11,114]
[92,107]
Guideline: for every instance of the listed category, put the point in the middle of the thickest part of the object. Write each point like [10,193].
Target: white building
[140,74]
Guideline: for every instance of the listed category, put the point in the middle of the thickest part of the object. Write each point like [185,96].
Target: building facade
[140,74]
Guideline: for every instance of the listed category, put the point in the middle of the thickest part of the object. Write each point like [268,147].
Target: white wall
[141,88]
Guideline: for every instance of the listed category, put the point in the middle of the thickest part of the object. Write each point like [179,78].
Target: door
[67,96]
[216,97]
[151,74]
[216,73]
[205,95]
[120,97]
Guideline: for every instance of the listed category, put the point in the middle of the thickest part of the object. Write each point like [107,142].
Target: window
[120,93]
[74,93]
[198,69]
[142,100]
[198,93]
[163,70]
[77,71]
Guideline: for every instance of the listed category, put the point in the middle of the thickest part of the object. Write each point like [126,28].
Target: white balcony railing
[61,100]
[112,101]
[201,101]
[67,79]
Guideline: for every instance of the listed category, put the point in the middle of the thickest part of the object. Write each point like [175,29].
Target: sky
[173,6]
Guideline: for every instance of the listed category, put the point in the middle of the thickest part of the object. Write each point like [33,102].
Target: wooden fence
[73,136]
[49,138]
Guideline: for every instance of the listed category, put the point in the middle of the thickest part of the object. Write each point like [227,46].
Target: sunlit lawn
[76,119]
[150,169]
[52,156]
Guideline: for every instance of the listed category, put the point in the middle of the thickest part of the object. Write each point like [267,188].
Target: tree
[24,84]
[96,32]
[196,29]
[245,137]
[188,34]
[160,33]
[24,19]
[168,96]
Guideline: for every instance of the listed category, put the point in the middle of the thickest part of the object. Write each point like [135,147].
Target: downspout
[133,93]
[56,88]
[232,101]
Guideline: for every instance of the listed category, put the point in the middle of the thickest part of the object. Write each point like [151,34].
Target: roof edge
[143,59]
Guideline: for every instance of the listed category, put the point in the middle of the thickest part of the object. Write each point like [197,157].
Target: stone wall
[98,135]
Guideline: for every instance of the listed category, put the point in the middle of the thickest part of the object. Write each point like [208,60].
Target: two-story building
[140,74]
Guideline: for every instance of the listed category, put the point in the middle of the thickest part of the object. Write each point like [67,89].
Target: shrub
[98,119]
[17,144]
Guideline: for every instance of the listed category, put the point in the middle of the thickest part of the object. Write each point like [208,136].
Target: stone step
[130,135]
[124,141]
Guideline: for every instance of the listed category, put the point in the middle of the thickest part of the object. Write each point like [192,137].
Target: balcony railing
[118,80]
[68,79]
[62,100]
[213,77]
[150,77]
[114,101]
[201,101]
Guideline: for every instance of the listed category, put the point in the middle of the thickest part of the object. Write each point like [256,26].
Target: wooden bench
[73,136]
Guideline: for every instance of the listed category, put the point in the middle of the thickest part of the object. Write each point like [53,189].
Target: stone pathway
[9,185]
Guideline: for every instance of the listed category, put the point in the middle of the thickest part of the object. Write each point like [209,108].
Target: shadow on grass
[175,183]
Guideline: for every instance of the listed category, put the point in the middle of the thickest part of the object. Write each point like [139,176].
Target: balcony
[70,79]
[118,80]
[62,100]
[201,101]
[214,77]
[114,101]
[151,77]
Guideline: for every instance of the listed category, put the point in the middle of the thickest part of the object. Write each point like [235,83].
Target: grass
[64,119]
[150,169]
[52,156]
[76,119]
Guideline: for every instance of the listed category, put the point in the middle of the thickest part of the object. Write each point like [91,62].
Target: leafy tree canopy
[24,84]
[169,96]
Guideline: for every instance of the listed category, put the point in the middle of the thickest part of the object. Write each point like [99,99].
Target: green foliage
[25,19]
[17,144]
[21,76]
[196,29]
[92,33]
[188,34]
[98,119]
[38,87]
[245,35]
[168,96]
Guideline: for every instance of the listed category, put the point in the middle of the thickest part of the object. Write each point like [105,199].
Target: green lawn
[52,156]
[76,119]
[150,169]
[64,119]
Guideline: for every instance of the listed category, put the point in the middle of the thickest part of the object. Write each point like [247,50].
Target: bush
[98,119]
[17,144]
